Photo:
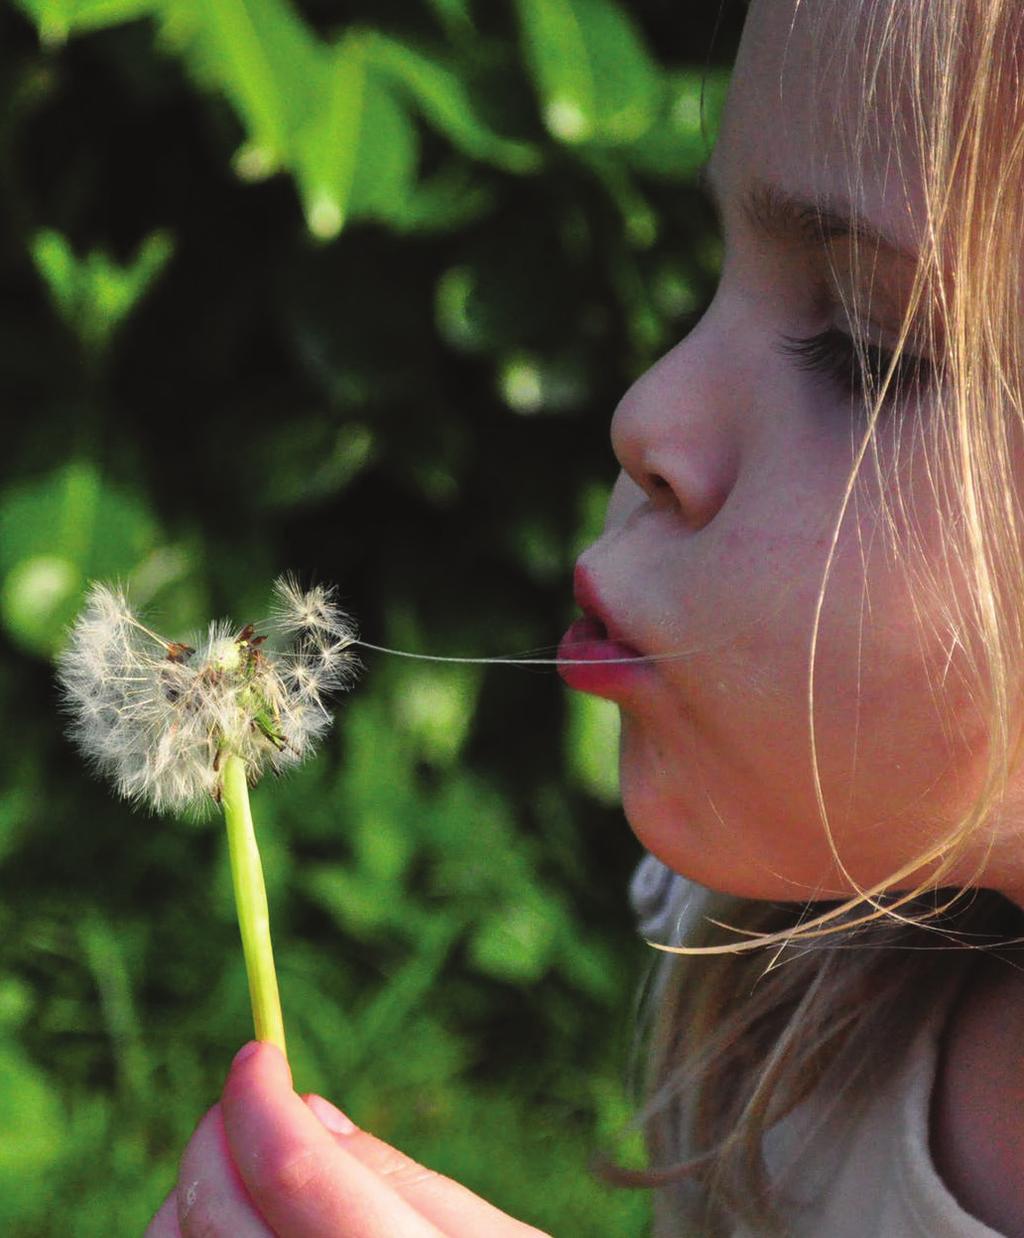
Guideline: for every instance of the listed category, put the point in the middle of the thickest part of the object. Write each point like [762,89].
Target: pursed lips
[589,602]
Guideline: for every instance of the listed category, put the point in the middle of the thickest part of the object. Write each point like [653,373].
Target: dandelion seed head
[308,611]
[158,716]
[224,655]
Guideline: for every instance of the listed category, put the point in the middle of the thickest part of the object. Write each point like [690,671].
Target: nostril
[658,487]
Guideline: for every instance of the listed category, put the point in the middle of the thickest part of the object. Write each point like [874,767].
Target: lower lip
[590,662]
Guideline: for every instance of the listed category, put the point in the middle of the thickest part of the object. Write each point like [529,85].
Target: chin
[692,841]
[661,799]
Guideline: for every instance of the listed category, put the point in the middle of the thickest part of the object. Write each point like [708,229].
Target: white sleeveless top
[837,1178]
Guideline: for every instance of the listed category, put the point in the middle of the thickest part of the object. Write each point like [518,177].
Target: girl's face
[736,450]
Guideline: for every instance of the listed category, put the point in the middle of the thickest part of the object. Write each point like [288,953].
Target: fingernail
[246,1051]
[329,1116]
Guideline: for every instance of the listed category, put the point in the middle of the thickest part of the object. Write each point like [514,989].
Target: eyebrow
[783,217]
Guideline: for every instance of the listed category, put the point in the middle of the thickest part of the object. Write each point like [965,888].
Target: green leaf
[449,200]
[530,383]
[56,263]
[360,903]
[305,461]
[435,707]
[679,142]
[56,19]
[356,156]
[16,997]
[595,78]
[38,597]
[445,100]
[56,532]
[269,64]
[640,220]
[592,744]
[104,951]
[401,998]
[94,295]
[518,941]
[30,1118]
[454,15]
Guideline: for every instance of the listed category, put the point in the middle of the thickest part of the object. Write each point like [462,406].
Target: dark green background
[416,408]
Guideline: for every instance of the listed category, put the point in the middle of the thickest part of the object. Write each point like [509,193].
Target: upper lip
[589,601]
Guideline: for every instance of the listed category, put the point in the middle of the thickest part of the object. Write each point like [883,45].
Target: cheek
[900,737]
[718,777]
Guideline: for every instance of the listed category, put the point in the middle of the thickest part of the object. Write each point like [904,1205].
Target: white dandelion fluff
[159,716]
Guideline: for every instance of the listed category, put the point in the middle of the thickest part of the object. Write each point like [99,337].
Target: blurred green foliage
[351,289]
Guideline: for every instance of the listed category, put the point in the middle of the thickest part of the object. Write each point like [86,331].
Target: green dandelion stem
[251,904]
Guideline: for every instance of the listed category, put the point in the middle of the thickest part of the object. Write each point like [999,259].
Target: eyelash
[833,354]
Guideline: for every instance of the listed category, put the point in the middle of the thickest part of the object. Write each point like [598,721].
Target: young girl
[808,605]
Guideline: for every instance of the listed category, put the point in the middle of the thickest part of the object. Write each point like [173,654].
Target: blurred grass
[351,290]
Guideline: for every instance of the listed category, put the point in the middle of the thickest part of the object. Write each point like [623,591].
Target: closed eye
[857,370]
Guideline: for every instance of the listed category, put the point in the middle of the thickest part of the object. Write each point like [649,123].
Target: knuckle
[401,1171]
[292,1173]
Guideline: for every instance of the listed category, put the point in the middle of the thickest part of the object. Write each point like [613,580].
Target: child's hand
[266,1162]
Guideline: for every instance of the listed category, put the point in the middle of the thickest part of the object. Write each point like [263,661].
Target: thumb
[446,1204]
[300,1179]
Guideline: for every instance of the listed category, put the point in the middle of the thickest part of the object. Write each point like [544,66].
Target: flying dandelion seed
[178,726]
[159,716]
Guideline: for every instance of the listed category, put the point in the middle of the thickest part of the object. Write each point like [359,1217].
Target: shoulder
[977,1106]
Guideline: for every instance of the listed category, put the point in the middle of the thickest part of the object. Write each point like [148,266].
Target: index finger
[302,1182]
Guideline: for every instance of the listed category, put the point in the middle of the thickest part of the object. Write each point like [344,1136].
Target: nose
[675,431]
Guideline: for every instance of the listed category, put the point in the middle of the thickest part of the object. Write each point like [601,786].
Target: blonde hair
[737,1043]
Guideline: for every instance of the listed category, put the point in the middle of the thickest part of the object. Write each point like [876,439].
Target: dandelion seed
[154,714]
[180,725]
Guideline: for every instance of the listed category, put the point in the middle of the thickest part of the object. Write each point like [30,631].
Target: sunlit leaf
[592,745]
[445,101]
[356,156]
[56,532]
[94,294]
[269,63]
[640,220]
[435,706]
[16,999]
[359,903]
[57,19]
[679,142]
[38,597]
[30,1119]
[449,200]
[530,383]
[591,69]
[517,941]
[56,263]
